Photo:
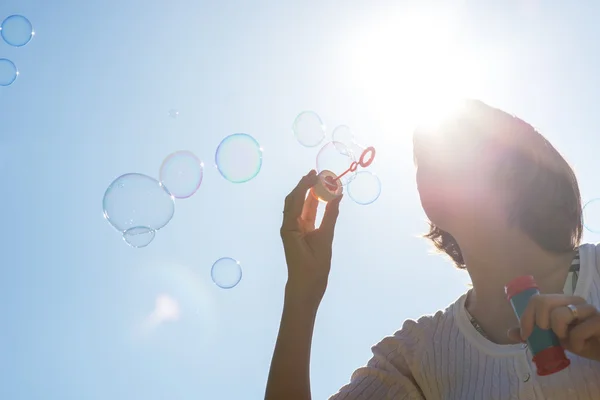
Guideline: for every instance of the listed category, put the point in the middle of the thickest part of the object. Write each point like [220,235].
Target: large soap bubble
[365,188]
[309,129]
[181,172]
[136,200]
[16,30]
[239,158]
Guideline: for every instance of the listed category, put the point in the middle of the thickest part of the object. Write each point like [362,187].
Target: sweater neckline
[587,261]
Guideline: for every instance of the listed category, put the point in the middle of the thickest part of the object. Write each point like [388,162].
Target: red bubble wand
[331,181]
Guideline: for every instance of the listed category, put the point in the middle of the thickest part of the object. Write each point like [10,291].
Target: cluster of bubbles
[16,31]
[138,205]
[338,154]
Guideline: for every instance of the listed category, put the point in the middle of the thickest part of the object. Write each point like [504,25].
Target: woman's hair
[544,195]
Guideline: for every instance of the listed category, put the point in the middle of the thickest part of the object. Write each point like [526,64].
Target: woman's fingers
[309,212]
[294,203]
[580,333]
[562,318]
[562,321]
[539,309]
[330,218]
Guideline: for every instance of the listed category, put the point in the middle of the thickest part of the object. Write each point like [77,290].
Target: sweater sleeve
[387,375]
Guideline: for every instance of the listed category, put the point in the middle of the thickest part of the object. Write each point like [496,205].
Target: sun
[413,67]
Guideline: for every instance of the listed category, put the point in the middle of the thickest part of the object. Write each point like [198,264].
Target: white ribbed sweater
[444,357]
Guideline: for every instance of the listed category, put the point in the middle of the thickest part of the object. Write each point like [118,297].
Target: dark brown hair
[546,203]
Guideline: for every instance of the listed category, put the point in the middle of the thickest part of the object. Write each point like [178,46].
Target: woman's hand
[571,318]
[307,249]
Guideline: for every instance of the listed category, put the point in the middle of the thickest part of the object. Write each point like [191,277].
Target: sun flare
[413,68]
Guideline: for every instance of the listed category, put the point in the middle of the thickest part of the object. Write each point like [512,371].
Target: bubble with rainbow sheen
[364,188]
[137,200]
[226,272]
[239,158]
[139,236]
[309,129]
[16,30]
[8,72]
[181,172]
[591,215]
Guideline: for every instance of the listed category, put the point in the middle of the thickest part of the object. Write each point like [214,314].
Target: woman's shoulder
[589,273]
[590,248]
[424,323]
[589,256]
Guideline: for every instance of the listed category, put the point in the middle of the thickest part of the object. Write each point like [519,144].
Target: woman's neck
[494,261]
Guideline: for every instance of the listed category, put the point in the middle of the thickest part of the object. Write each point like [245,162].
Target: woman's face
[453,178]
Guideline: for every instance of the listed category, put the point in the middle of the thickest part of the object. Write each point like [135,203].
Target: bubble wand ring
[370,151]
[329,186]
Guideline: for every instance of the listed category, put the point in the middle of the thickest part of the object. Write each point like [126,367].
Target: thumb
[514,335]
[331,214]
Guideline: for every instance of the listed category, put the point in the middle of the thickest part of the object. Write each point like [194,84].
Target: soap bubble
[137,200]
[238,158]
[337,158]
[8,72]
[181,172]
[343,134]
[365,188]
[226,272]
[139,236]
[173,113]
[591,215]
[309,129]
[16,30]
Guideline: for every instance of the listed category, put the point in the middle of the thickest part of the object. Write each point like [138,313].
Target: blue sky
[92,101]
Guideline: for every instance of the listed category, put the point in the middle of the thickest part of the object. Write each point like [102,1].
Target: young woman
[502,203]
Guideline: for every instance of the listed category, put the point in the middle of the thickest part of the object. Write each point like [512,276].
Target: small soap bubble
[139,236]
[226,272]
[173,113]
[181,172]
[337,158]
[309,129]
[137,200]
[239,158]
[16,30]
[365,188]
[8,72]
[591,215]
[343,134]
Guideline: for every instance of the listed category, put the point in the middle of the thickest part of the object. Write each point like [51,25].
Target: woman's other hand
[571,318]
